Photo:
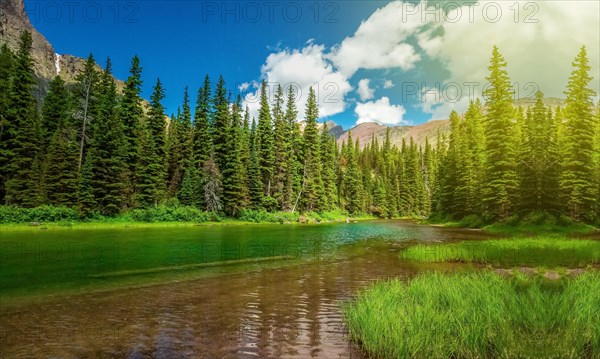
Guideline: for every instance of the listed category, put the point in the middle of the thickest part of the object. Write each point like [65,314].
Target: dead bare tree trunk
[301,189]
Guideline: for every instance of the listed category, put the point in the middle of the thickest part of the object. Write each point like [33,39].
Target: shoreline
[500,229]
[57,226]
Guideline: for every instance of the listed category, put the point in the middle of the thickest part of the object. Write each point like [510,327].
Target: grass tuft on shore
[548,251]
[477,315]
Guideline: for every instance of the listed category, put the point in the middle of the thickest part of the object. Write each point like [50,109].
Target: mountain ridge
[46,62]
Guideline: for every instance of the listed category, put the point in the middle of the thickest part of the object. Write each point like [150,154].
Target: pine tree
[403,200]
[474,140]
[152,152]
[428,170]
[450,193]
[312,192]
[244,143]
[86,203]
[438,193]
[293,177]
[61,172]
[107,152]
[577,187]
[328,149]
[187,174]
[234,174]
[24,141]
[539,179]
[501,181]
[414,179]
[85,101]
[179,155]
[191,193]
[265,139]
[185,130]
[202,146]
[131,113]
[6,132]
[6,76]
[351,182]
[282,149]
[255,185]
[55,111]
[156,123]
[221,127]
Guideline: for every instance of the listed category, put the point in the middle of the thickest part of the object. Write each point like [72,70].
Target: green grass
[537,229]
[477,315]
[534,223]
[548,251]
[125,223]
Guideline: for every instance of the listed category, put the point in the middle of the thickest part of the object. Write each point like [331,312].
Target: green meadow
[502,303]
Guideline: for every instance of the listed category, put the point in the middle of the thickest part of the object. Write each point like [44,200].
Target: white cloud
[539,42]
[379,42]
[303,69]
[539,46]
[439,102]
[380,111]
[244,86]
[364,91]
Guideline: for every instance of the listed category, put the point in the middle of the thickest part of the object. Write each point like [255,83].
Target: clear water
[53,306]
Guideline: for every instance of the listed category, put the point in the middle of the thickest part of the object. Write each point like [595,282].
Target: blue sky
[372,60]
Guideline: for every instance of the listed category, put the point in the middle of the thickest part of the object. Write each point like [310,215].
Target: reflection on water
[290,311]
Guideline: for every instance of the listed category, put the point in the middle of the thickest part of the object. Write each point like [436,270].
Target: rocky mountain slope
[364,132]
[46,62]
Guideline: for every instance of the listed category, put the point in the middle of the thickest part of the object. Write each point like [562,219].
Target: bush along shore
[519,297]
[532,224]
[51,217]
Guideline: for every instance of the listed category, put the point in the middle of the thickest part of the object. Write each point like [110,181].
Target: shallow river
[61,298]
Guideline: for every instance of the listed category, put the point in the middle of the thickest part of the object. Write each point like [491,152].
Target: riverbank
[519,227]
[547,251]
[127,222]
[478,315]
[511,297]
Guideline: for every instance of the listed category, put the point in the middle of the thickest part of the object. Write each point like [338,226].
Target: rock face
[13,21]
[334,129]
[46,63]
[365,132]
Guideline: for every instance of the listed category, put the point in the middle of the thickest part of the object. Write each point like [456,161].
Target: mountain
[46,62]
[364,132]
[552,102]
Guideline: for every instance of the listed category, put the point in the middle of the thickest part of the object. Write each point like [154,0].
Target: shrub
[171,214]
[472,221]
[262,216]
[334,215]
[314,215]
[10,214]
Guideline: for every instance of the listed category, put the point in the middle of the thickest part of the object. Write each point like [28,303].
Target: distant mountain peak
[46,62]
[366,131]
